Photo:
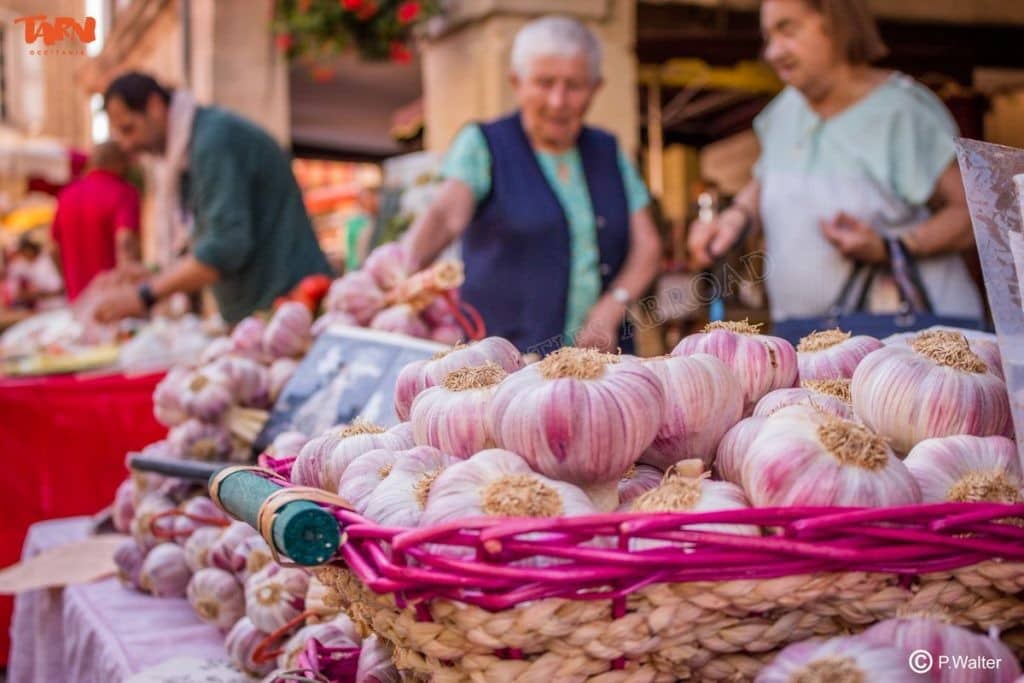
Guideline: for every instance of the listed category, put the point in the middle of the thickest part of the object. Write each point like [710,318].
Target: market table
[99,632]
[65,440]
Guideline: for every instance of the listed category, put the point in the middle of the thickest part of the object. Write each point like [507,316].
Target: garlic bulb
[288,333]
[248,380]
[241,643]
[912,633]
[252,554]
[400,319]
[637,480]
[388,264]
[168,406]
[206,396]
[579,416]
[760,362]
[128,558]
[401,436]
[365,474]
[828,395]
[330,319]
[197,512]
[164,572]
[838,660]
[967,469]
[935,387]
[280,373]
[221,346]
[198,546]
[287,445]
[247,337]
[703,400]
[222,554]
[733,448]
[376,662]
[275,595]
[832,354]
[400,497]
[438,313]
[123,508]
[216,597]
[357,294]
[499,483]
[197,440]
[985,348]
[339,632]
[421,375]
[451,416]
[323,460]
[804,458]
[150,506]
[449,333]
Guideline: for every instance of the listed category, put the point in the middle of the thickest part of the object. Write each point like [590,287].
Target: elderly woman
[849,154]
[555,233]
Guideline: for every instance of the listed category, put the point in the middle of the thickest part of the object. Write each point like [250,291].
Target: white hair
[555,36]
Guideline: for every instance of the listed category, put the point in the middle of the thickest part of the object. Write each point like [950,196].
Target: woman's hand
[601,330]
[855,239]
[709,241]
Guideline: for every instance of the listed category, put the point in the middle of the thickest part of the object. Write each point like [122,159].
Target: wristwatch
[621,295]
[146,295]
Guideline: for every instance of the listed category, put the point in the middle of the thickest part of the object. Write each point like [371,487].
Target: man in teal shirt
[250,237]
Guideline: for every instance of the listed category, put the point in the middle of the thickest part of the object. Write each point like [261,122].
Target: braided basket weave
[569,600]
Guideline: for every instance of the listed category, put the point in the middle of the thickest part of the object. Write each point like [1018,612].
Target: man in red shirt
[96,227]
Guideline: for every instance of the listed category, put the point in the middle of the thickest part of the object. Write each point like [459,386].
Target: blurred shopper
[239,203]
[31,277]
[96,227]
[555,231]
[361,227]
[849,153]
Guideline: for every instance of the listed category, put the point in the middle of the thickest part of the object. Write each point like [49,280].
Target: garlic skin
[388,265]
[734,447]
[253,554]
[198,512]
[164,573]
[774,401]
[129,557]
[123,508]
[222,554]
[150,506]
[985,348]
[967,469]
[323,460]
[376,662]
[288,333]
[168,407]
[832,354]
[919,632]
[248,380]
[365,474]
[357,294]
[338,632]
[247,337]
[448,333]
[287,445]
[206,395]
[638,480]
[579,416]
[197,440]
[499,483]
[198,545]
[803,458]
[399,499]
[421,375]
[400,319]
[275,595]
[703,400]
[761,363]
[936,386]
[241,643]
[216,597]
[221,346]
[401,436]
[451,416]
[838,660]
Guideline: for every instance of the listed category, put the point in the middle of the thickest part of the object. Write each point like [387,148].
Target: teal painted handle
[305,532]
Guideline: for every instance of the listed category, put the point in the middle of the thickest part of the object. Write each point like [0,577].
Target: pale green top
[469,160]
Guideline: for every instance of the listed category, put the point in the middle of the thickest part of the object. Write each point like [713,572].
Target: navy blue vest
[516,249]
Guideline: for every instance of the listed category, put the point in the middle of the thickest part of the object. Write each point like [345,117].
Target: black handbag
[915,312]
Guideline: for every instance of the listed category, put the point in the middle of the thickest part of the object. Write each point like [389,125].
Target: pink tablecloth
[99,632]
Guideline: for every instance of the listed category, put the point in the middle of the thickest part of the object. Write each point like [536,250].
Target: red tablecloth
[64,440]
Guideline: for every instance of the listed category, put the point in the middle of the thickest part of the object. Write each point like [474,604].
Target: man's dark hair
[134,89]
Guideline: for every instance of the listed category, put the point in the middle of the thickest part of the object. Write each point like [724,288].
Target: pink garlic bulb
[222,555]
[221,346]
[401,436]
[331,318]
[337,632]
[804,458]
[197,440]
[198,512]
[936,386]
[275,595]
[638,480]
[984,347]
[248,380]
[146,512]
[832,354]
[288,333]
[838,660]
[241,643]
[247,337]
[252,554]
[760,362]
[400,319]
[388,264]
[323,460]
[703,400]
[438,313]
[123,508]
[579,416]
[967,469]
[198,545]
[357,294]
[129,557]
[280,373]
[365,474]
[450,334]
[421,375]
[399,499]
[829,395]
[168,397]
[451,416]
[217,597]
[164,572]
[376,662]
[913,633]
[734,447]
[287,444]
[206,395]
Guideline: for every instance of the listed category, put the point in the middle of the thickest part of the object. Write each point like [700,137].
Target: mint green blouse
[469,160]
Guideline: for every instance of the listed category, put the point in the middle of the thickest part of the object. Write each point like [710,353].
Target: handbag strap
[907,276]
[840,306]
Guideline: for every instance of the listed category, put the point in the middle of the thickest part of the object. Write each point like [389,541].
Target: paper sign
[79,562]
